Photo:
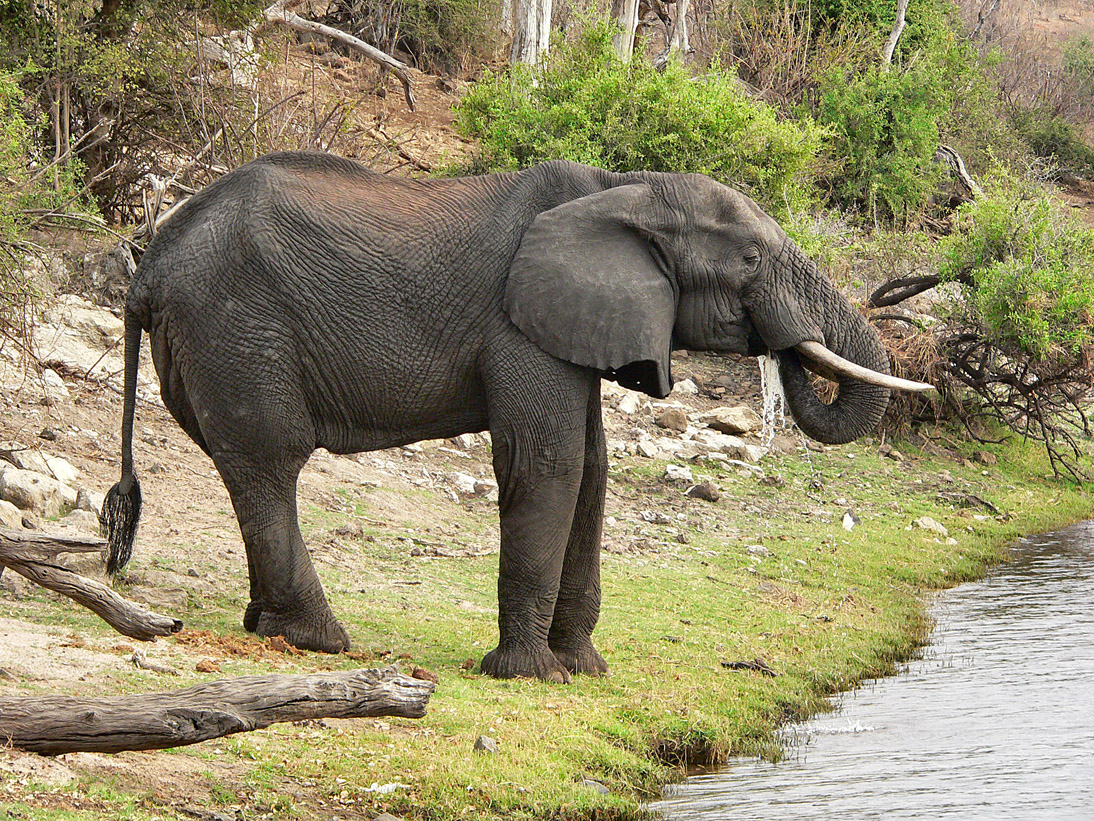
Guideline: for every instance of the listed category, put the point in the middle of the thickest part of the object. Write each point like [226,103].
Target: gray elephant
[303,301]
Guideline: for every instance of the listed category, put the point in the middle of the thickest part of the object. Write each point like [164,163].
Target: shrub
[1029,269]
[1053,138]
[587,105]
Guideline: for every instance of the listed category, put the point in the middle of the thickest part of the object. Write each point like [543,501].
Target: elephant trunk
[859,406]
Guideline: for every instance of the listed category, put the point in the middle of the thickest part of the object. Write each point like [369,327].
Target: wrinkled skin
[304,302]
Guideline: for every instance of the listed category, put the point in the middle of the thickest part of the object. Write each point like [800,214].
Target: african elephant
[303,301]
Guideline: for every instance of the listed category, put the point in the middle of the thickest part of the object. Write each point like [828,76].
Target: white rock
[739,419]
[53,383]
[685,387]
[648,449]
[467,485]
[83,520]
[927,523]
[757,550]
[617,446]
[678,473]
[629,404]
[89,500]
[97,326]
[10,515]
[37,492]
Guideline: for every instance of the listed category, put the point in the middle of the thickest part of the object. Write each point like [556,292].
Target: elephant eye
[752,257]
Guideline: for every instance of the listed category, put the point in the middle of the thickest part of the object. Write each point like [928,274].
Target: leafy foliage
[587,105]
[1053,138]
[1031,270]
[886,122]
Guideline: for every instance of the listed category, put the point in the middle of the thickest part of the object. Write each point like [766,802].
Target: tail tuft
[118,520]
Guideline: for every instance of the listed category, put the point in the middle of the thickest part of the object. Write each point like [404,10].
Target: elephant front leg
[578,606]
[536,506]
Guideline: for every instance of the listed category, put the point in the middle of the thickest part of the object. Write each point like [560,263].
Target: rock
[36,492]
[649,450]
[705,491]
[83,520]
[739,419]
[54,385]
[49,434]
[467,486]
[673,419]
[485,744]
[595,786]
[946,476]
[163,599]
[654,517]
[850,520]
[774,480]
[10,515]
[89,500]
[629,404]
[685,387]
[927,523]
[41,462]
[386,816]
[985,458]
[678,473]
[757,550]
[96,326]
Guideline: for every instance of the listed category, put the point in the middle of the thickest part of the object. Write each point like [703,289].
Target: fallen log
[52,725]
[31,556]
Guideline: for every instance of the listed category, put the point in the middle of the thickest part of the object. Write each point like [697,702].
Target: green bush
[1053,138]
[587,105]
[1029,270]
[1079,65]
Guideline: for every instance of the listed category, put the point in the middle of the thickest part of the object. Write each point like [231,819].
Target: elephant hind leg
[287,597]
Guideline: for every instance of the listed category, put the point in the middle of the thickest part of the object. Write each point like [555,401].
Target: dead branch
[31,555]
[957,166]
[894,36]
[52,725]
[279,13]
[399,148]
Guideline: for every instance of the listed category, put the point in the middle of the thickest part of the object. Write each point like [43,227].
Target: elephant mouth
[823,362]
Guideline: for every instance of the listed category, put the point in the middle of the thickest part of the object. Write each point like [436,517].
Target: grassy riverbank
[768,573]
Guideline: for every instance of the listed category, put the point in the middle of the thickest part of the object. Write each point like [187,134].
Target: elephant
[303,301]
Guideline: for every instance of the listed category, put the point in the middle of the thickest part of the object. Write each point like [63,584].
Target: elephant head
[617,279]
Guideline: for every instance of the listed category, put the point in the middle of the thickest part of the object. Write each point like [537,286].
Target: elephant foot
[582,659]
[523,663]
[320,632]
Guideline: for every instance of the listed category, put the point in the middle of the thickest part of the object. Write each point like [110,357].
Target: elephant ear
[585,287]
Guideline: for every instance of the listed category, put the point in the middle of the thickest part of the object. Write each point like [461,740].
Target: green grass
[824,607]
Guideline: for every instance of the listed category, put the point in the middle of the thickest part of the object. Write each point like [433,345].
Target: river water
[996,720]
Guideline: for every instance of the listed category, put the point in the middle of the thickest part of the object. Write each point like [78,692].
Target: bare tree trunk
[625,13]
[52,725]
[531,31]
[894,36]
[678,38]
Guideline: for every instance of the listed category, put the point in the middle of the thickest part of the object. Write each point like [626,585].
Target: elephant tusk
[836,364]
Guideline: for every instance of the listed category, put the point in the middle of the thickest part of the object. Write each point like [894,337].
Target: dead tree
[279,13]
[34,555]
[52,725]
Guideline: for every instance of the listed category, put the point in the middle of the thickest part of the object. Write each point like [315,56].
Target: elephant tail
[122,507]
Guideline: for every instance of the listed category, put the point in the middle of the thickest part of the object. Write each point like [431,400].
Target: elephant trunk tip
[118,520]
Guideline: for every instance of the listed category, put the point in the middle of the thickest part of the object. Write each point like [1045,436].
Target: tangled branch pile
[1017,342]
